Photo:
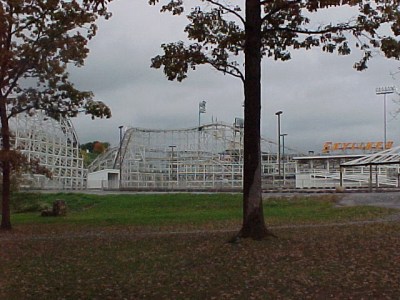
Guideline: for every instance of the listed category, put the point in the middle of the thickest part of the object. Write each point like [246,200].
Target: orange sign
[329,146]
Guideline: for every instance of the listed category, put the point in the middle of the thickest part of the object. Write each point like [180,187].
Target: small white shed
[103,179]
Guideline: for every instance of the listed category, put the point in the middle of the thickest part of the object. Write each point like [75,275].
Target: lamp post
[283,155]
[120,155]
[278,114]
[384,91]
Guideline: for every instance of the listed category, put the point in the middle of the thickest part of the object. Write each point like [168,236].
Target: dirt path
[127,234]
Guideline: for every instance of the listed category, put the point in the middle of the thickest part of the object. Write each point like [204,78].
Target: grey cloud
[322,96]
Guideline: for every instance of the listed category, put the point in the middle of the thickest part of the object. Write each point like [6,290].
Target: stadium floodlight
[202,109]
[384,91]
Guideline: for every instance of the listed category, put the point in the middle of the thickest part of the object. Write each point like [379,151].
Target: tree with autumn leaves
[39,39]
[91,150]
[233,39]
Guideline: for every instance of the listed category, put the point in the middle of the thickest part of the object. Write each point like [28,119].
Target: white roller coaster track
[55,144]
[209,156]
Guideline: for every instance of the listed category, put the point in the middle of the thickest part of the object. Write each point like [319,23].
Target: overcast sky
[322,97]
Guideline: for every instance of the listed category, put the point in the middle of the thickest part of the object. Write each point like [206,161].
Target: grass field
[173,246]
[185,209]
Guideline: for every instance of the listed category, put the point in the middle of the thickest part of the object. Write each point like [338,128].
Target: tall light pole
[384,91]
[278,114]
[202,109]
[283,155]
[120,155]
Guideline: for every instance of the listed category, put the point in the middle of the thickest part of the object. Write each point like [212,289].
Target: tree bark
[253,216]
[6,167]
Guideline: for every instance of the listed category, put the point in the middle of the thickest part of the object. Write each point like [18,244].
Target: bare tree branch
[235,72]
[216,3]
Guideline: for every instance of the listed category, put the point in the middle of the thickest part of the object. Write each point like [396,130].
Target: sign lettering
[329,146]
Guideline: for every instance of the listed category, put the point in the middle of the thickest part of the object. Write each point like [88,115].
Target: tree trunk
[6,167]
[253,216]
